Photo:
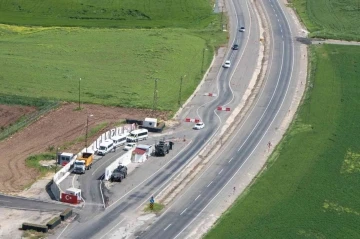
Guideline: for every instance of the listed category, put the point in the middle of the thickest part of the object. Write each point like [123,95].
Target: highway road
[178,220]
[99,223]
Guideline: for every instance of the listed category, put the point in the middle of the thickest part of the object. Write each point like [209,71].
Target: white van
[137,135]
[105,147]
[119,140]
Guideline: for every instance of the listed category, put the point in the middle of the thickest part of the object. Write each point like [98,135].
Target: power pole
[155,96]
[179,100]
[221,22]
[202,63]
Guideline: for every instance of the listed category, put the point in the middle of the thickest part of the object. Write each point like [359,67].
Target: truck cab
[79,166]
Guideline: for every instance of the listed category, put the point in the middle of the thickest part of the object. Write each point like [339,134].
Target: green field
[108,13]
[336,19]
[311,186]
[117,66]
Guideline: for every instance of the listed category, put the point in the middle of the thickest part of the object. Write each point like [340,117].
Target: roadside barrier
[123,160]
[223,108]
[65,171]
[210,94]
[192,120]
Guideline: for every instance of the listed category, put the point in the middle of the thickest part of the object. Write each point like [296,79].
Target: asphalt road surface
[177,221]
[103,221]
[30,204]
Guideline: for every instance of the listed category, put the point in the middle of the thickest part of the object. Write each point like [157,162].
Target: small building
[140,155]
[150,122]
[65,158]
[74,191]
[148,148]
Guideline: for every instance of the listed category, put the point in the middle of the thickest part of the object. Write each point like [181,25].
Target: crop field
[336,19]
[107,13]
[311,186]
[116,66]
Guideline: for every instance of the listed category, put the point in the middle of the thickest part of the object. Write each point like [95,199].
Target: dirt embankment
[58,127]
[9,114]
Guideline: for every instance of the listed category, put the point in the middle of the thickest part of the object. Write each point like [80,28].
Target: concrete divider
[123,160]
[65,171]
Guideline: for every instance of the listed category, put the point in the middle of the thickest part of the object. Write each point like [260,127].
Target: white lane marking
[4,201]
[102,195]
[147,228]
[197,197]
[149,176]
[72,183]
[238,130]
[292,69]
[209,184]
[278,19]
[104,163]
[111,229]
[280,29]
[167,227]
[63,231]
[231,159]
[269,102]
[242,54]
[183,211]
[220,171]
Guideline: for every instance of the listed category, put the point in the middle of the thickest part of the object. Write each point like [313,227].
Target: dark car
[235,47]
[119,174]
[242,29]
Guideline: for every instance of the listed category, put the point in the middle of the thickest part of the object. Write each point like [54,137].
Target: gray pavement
[21,203]
[99,222]
[181,217]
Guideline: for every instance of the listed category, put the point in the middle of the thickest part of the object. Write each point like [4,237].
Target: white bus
[119,140]
[105,147]
[137,135]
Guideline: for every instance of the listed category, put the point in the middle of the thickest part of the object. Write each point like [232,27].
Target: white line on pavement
[231,159]
[63,231]
[220,171]
[197,197]
[112,229]
[209,184]
[4,201]
[183,211]
[167,227]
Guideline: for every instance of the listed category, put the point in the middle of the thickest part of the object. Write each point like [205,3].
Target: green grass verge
[310,187]
[157,208]
[117,67]
[33,162]
[336,19]
[107,13]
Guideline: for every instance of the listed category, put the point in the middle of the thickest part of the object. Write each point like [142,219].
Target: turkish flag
[69,198]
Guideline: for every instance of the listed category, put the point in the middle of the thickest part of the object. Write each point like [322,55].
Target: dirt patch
[10,223]
[9,114]
[58,127]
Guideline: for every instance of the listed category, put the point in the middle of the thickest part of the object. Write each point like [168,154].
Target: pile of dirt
[55,129]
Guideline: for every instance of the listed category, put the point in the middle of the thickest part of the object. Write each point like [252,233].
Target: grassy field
[108,13]
[117,66]
[336,19]
[311,186]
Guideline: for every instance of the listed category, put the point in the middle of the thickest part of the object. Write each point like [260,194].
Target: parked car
[199,125]
[129,146]
[242,29]
[227,64]
[235,47]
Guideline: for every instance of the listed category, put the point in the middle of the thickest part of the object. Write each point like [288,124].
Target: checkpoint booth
[65,158]
[71,195]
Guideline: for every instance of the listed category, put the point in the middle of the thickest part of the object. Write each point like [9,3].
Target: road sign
[152,200]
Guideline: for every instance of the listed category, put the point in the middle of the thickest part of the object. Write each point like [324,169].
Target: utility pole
[155,96]
[202,62]
[79,92]
[179,100]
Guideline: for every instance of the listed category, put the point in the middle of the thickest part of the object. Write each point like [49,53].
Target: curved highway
[180,218]
[98,222]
